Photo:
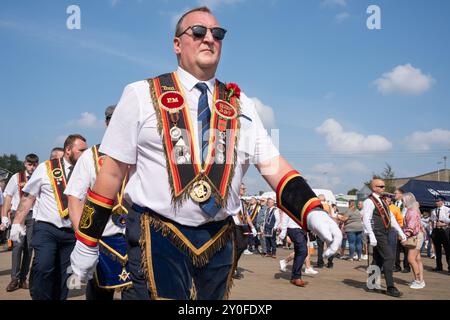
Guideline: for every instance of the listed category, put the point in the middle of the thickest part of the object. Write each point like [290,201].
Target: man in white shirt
[111,272]
[53,237]
[56,153]
[378,221]
[440,234]
[21,252]
[186,185]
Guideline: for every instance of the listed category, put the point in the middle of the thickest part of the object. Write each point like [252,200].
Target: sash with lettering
[119,212]
[187,175]
[21,181]
[58,180]
[383,210]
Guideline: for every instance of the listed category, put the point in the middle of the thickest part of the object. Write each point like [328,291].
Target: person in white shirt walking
[22,251]
[53,236]
[378,221]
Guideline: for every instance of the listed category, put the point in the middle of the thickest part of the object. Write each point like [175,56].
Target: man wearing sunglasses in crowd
[378,221]
[192,139]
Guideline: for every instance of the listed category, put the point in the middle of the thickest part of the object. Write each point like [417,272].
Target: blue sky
[346,99]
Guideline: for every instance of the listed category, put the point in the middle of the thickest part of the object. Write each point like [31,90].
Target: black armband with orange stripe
[96,212]
[296,198]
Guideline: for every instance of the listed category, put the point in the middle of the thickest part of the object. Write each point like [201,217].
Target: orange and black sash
[254,212]
[383,210]
[98,162]
[22,180]
[58,180]
[173,111]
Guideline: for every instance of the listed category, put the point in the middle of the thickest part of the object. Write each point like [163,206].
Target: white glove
[254,232]
[320,223]
[372,240]
[17,231]
[5,221]
[283,235]
[84,260]
[403,236]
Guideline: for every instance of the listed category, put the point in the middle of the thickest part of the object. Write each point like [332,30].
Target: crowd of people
[417,232]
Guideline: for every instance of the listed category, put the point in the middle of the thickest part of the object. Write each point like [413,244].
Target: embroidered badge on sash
[86,217]
[187,175]
[58,180]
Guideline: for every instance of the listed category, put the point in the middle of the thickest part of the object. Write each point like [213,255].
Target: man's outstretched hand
[320,223]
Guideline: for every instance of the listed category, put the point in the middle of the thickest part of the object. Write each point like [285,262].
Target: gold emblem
[124,276]
[57,174]
[86,217]
[201,191]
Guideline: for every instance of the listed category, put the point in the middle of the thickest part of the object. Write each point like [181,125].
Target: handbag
[411,242]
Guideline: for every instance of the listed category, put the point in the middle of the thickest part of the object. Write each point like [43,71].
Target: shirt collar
[189,81]
[66,163]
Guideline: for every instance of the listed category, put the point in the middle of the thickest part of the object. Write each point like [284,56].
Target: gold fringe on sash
[233,269]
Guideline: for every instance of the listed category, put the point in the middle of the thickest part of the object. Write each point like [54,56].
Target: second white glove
[84,260]
[17,232]
[372,240]
[5,221]
[254,232]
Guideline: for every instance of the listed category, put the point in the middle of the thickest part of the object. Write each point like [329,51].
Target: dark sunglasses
[381,186]
[200,32]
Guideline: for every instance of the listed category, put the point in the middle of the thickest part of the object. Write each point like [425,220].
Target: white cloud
[323,181]
[422,141]
[329,95]
[333,3]
[341,17]
[265,112]
[404,79]
[342,141]
[86,120]
[113,3]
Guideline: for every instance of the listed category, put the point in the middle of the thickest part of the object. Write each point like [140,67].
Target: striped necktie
[204,116]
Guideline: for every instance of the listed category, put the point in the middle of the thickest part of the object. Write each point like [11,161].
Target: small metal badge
[201,191]
[220,158]
[220,148]
[181,160]
[175,133]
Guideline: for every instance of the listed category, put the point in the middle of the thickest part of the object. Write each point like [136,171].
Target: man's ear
[177,45]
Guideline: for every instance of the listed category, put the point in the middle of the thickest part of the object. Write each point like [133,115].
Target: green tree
[11,163]
[388,175]
[352,192]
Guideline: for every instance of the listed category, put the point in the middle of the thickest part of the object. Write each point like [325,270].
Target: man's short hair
[400,190]
[70,140]
[180,21]
[32,158]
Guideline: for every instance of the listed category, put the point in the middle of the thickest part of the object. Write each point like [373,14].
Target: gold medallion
[201,191]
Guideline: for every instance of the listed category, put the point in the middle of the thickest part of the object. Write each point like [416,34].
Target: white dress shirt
[40,186]
[367,213]
[82,179]
[132,137]
[12,190]
[443,214]
[287,223]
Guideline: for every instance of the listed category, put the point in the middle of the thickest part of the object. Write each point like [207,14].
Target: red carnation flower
[233,90]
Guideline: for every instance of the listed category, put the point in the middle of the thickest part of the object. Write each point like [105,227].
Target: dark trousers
[172,271]
[320,246]
[253,242]
[240,239]
[52,249]
[383,255]
[298,238]
[22,251]
[93,292]
[392,240]
[271,243]
[398,250]
[440,239]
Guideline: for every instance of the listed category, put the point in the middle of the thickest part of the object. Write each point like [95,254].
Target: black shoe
[320,266]
[393,292]
[397,269]
[406,270]
[237,275]
[436,269]
[13,286]
[330,265]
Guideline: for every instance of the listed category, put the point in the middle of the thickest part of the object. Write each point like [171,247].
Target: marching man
[192,139]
